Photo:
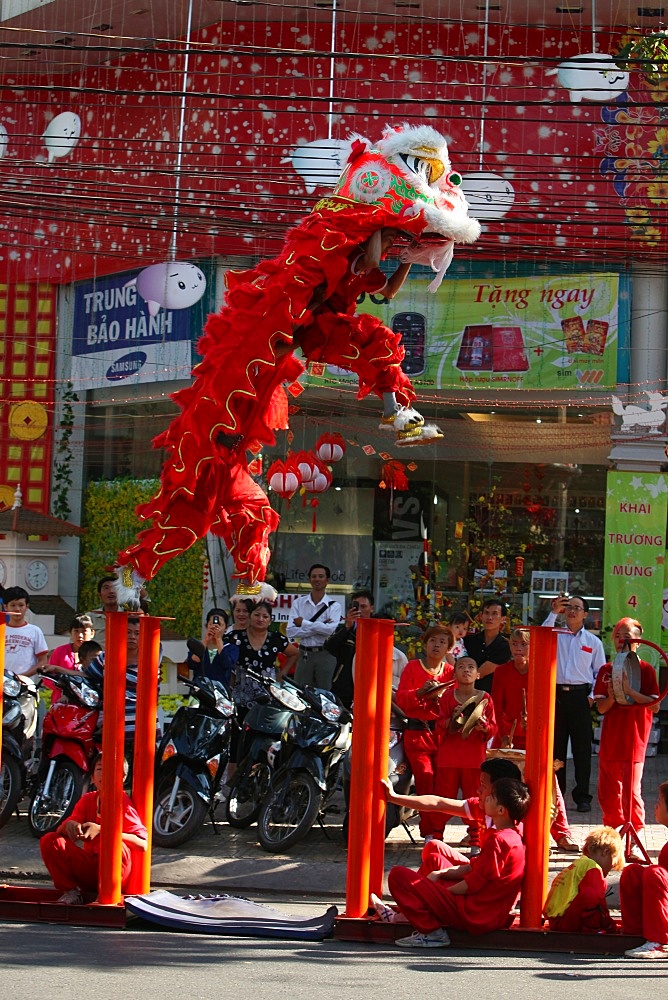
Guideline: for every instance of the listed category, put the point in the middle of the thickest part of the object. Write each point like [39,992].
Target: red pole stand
[361,770]
[3,622]
[538,771]
[113,739]
[384,630]
[143,772]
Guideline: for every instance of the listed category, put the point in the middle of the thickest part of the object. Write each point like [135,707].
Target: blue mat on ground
[228,915]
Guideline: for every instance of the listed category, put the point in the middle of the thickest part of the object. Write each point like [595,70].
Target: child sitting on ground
[72,852]
[476,897]
[576,901]
[644,895]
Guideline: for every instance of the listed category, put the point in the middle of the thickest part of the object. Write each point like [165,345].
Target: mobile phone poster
[549,332]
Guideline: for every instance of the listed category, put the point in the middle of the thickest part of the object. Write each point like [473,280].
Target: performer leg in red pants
[73,867]
[644,896]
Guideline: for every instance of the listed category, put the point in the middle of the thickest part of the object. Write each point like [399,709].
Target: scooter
[264,723]
[19,724]
[307,770]
[71,740]
[191,760]
[399,773]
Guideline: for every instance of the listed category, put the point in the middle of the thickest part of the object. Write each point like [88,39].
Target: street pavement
[228,860]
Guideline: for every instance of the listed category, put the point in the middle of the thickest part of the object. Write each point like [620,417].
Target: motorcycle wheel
[10,788]
[288,813]
[246,794]
[173,829]
[48,811]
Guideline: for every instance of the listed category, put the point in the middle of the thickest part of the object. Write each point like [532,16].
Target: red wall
[256,90]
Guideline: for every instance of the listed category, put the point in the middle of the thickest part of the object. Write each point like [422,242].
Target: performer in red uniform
[466,723]
[625,733]
[418,696]
[72,852]
[510,688]
[478,896]
[576,901]
[643,893]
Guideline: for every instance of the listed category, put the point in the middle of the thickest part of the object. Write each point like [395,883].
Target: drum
[625,663]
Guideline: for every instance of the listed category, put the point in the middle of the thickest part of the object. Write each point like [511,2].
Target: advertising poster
[635,544]
[516,333]
[122,335]
[395,572]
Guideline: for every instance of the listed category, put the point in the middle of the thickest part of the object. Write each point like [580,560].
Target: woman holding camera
[212,657]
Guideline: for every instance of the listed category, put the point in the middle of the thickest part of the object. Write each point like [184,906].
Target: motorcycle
[399,774]
[191,760]
[71,740]
[19,724]
[307,770]
[265,722]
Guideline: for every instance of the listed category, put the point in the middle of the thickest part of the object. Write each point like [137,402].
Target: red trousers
[420,747]
[73,867]
[620,792]
[437,856]
[643,894]
[449,782]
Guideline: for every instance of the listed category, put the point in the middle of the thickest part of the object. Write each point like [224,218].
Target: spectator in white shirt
[580,656]
[312,620]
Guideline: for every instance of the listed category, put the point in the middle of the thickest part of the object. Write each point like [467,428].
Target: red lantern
[330,448]
[307,465]
[283,478]
[491,565]
[321,479]
[519,566]
[320,482]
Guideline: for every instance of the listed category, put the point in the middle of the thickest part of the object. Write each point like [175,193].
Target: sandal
[567,844]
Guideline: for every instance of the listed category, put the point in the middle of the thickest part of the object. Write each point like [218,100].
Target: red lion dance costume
[404,183]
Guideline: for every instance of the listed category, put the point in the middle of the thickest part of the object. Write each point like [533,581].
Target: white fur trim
[457,226]
[128,588]
[430,432]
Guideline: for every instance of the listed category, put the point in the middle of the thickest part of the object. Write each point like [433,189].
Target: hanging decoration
[393,477]
[284,478]
[306,464]
[519,566]
[321,481]
[330,448]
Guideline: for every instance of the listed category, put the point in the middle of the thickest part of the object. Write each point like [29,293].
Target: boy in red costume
[72,852]
[576,901]
[643,893]
[418,695]
[476,897]
[465,725]
[510,688]
[625,733]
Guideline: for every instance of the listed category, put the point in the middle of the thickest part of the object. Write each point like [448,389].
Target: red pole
[148,668]
[361,770]
[113,739]
[538,771]
[384,630]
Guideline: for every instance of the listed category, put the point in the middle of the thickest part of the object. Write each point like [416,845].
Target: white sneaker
[71,897]
[649,950]
[385,912]
[434,939]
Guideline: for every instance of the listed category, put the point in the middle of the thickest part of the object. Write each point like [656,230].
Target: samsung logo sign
[128,365]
